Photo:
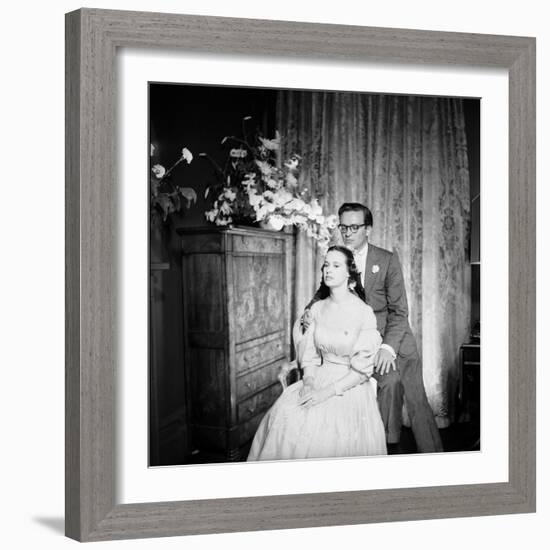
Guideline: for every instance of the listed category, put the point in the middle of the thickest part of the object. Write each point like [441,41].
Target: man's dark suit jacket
[385,293]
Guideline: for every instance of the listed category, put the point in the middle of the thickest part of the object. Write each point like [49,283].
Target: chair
[289,366]
[286,368]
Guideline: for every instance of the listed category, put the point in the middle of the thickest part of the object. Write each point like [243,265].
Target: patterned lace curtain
[405,158]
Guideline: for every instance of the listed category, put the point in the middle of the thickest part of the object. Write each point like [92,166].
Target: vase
[268,224]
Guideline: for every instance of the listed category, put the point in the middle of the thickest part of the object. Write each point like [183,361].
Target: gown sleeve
[367,344]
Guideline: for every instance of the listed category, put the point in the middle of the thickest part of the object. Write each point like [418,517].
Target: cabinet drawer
[258,245]
[258,379]
[260,353]
[258,403]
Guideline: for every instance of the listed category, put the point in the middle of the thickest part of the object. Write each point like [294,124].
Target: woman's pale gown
[344,425]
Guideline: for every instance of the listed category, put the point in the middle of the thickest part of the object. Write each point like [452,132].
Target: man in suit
[397,365]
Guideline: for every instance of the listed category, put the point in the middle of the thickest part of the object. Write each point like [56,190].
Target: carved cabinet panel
[236,290]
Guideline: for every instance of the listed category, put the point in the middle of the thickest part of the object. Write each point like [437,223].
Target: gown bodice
[348,343]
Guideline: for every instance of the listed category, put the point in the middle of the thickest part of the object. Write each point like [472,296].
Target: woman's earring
[351,285]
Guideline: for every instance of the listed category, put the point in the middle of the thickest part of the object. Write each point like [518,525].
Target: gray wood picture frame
[92,39]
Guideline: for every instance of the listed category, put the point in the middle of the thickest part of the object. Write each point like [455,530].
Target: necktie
[360,264]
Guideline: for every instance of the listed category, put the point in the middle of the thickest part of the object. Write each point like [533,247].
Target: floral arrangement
[254,186]
[167,196]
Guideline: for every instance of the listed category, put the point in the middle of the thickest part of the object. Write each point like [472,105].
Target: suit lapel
[370,277]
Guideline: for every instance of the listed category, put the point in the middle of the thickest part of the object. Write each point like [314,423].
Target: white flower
[187,155]
[230,194]
[254,199]
[189,194]
[300,219]
[295,204]
[291,180]
[272,183]
[316,209]
[265,168]
[282,197]
[261,213]
[211,215]
[225,209]
[248,182]
[292,163]
[238,153]
[332,221]
[272,144]
[158,170]
[375,269]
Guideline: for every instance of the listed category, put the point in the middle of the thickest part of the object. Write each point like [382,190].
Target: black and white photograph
[314,281]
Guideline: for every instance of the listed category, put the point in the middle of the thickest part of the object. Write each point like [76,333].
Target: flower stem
[172,167]
[212,161]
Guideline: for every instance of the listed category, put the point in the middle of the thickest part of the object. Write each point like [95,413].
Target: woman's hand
[308,386]
[317,396]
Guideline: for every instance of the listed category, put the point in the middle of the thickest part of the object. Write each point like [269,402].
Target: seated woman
[333,411]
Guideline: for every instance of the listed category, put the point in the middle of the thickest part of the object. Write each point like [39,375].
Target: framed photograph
[156,447]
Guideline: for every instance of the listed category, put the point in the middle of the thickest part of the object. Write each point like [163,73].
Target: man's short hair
[357,207]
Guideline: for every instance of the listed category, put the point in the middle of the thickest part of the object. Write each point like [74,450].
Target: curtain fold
[405,158]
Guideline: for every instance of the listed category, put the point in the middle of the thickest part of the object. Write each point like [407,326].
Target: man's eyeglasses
[353,228]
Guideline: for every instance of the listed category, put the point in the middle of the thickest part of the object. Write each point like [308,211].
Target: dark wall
[196,117]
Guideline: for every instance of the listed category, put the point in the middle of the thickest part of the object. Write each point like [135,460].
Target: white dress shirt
[360,257]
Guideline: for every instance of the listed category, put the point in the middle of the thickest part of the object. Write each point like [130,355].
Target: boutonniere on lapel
[375,269]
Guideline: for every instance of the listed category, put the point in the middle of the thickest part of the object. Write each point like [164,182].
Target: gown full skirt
[347,425]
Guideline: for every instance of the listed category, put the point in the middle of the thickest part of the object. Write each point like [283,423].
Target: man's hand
[384,361]
[306,319]
[318,396]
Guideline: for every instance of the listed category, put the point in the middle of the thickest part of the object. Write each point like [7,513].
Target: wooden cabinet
[236,309]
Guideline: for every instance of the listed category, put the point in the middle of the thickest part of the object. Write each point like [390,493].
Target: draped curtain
[406,159]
